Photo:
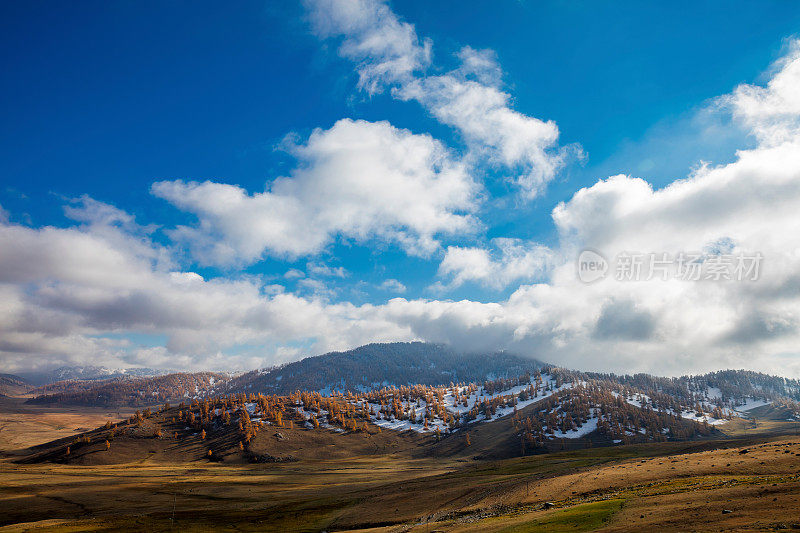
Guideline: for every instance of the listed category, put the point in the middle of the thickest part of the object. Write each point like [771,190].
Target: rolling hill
[11,385]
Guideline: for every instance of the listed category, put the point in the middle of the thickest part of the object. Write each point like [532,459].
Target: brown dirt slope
[162,437]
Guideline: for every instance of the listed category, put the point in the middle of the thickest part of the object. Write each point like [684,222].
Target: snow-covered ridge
[459,407]
[443,409]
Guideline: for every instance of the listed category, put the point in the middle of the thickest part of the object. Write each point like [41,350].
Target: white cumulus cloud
[357,180]
[512,260]
[388,53]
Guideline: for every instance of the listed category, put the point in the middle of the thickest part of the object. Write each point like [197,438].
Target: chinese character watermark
[633,266]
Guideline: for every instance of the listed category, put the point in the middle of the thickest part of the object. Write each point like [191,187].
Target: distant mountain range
[88,373]
[128,391]
[377,366]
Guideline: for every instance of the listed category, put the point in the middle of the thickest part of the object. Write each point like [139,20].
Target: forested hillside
[726,388]
[376,365]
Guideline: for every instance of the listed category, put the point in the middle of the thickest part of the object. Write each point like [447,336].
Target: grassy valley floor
[741,486]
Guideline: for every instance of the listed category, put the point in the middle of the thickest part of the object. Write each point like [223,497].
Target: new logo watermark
[685,266]
[591,266]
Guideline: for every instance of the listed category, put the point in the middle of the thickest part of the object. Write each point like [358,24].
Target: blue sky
[106,99]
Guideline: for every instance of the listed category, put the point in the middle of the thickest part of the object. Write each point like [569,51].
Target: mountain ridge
[414,364]
[376,364]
